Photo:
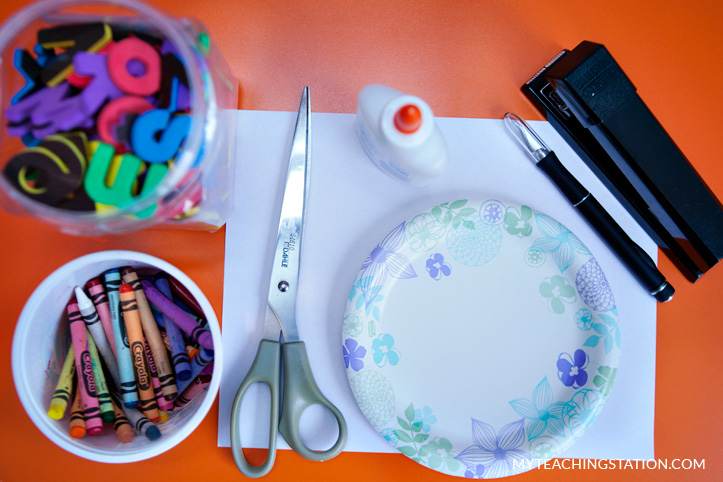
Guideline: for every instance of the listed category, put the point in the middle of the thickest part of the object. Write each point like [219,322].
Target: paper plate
[481,338]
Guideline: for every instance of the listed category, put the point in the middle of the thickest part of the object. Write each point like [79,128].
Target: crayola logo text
[144,381]
[88,379]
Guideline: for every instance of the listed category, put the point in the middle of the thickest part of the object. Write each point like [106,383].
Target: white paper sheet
[352,205]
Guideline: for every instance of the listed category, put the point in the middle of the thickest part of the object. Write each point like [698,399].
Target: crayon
[99,297]
[127,380]
[122,426]
[164,414]
[196,387]
[163,404]
[141,424]
[64,388]
[179,356]
[199,319]
[92,321]
[182,319]
[192,351]
[129,307]
[77,420]
[84,371]
[198,363]
[153,335]
[104,401]
[158,316]
[182,293]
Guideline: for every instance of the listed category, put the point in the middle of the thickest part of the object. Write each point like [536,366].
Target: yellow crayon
[63,389]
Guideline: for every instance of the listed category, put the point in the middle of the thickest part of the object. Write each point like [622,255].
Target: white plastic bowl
[39,330]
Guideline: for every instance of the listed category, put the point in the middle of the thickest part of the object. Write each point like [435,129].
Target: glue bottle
[399,134]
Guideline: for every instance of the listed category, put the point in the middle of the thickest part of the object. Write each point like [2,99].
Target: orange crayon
[122,426]
[153,335]
[77,420]
[146,398]
[192,351]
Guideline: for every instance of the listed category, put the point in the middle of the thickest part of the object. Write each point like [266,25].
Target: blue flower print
[541,412]
[475,472]
[390,436]
[425,417]
[582,409]
[436,267]
[571,369]
[353,354]
[382,262]
[383,350]
[492,212]
[584,319]
[559,241]
[498,453]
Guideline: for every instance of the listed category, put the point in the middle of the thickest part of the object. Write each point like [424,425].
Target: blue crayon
[158,316]
[179,357]
[140,423]
[128,388]
[198,363]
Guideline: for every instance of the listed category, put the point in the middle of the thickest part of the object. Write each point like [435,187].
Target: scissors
[299,388]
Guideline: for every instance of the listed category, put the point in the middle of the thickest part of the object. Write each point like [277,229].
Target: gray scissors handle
[266,368]
[300,392]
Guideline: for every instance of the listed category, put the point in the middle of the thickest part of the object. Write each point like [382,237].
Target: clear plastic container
[197,190]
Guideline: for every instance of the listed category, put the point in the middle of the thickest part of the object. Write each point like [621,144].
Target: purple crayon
[198,364]
[197,386]
[84,370]
[182,319]
[179,356]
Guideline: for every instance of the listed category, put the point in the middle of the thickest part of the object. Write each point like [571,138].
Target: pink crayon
[182,319]
[100,300]
[84,370]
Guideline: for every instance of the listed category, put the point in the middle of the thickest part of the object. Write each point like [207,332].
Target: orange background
[466,59]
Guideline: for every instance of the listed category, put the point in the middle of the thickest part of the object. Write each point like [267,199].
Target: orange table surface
[466,59]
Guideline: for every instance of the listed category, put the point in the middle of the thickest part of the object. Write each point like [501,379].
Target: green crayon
[107,413]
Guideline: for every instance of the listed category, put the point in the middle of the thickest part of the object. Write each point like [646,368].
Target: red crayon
[84,371]
[182,293]
[100,300]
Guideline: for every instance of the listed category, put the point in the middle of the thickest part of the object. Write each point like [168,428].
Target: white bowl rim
[41,419]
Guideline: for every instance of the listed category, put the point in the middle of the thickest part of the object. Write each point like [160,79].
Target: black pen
[633,256]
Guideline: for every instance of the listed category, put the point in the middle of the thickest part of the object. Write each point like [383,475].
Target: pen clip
[533,145]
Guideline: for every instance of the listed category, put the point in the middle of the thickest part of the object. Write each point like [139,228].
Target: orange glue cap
[408,119]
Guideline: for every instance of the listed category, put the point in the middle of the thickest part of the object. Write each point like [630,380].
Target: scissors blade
[285,271]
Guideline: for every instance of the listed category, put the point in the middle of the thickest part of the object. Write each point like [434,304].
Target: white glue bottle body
[398,133]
